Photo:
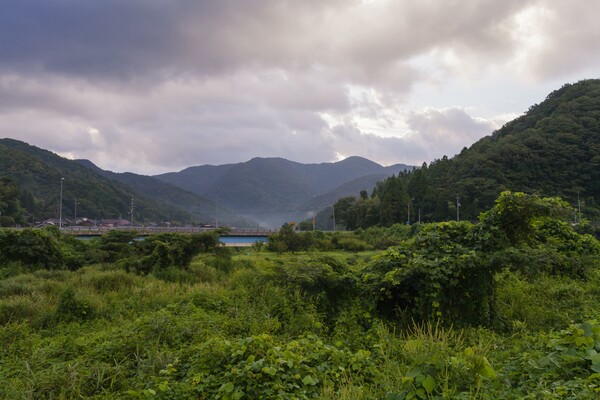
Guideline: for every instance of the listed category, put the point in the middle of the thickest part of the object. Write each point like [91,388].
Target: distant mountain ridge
[38,174]
[199,207]
[268,190]
[275,190]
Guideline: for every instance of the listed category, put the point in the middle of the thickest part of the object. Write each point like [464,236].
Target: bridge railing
[149,230]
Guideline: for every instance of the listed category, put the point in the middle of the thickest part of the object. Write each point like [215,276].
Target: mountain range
[269,191]
[272,191]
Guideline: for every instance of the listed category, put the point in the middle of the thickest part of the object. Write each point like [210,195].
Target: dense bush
[447,271]
[434,276]
[35,248]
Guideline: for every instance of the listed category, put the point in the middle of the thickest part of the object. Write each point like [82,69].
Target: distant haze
[153,86]
[272,191]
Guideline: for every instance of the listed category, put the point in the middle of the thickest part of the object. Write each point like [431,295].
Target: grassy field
[267,326]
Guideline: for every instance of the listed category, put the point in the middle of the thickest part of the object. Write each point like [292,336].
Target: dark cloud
[113,39]
[153,85]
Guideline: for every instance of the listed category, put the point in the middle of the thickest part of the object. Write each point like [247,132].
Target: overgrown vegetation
[502,308]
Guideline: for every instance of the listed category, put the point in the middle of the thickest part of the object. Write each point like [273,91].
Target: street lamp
[60,205]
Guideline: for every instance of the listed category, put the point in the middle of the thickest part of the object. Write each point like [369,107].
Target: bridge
[153,230]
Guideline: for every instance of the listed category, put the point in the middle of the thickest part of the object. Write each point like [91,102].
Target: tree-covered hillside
[37,174]
[200,208]
[552,150]
[276,190]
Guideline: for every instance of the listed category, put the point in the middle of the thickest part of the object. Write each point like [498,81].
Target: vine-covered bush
[437,275]
[260,367]
[447,270]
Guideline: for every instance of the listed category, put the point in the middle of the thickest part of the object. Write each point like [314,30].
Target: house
[55,222]
[114,223]
[84,222]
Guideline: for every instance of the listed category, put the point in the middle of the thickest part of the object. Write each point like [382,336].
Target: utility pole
[75,211]
[60,204]
[408,212]
[131,212]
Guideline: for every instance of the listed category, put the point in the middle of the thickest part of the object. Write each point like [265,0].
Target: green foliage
[575,351]
[435,275]
[448,270]
[116,245]
[72,308]
[176,249]
[11,212]
[157,252]
[381,238]
[260,367]
[222,260]
[352,244]
[404,323]
[512,219]
[564,364]
[258,246]
[34,248]
[323,282]
[434,363]
[535,302]
[286,240]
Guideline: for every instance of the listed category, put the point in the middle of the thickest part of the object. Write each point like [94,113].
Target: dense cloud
[152,86]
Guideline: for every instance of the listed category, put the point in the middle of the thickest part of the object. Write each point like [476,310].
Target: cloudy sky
[152,86]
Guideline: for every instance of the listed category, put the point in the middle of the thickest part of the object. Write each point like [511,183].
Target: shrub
[108,281]
[35,248]
[435,275]
[430,361]
[352,244]
[71,308]
[260,367]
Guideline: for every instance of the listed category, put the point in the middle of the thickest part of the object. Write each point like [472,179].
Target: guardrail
[145,230]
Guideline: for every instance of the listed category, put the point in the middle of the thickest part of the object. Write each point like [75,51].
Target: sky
[153,86]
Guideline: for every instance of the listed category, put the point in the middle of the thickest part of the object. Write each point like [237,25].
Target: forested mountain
[552,150]
[36,174]
[270,190]
[275,190]
[199,207]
